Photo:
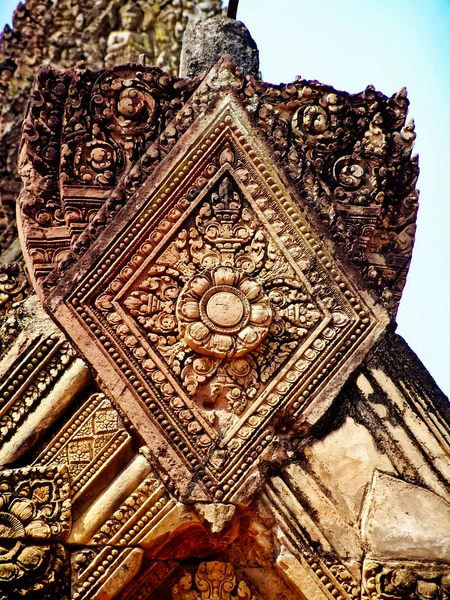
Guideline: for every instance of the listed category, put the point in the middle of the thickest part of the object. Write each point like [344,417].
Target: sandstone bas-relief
[223,410]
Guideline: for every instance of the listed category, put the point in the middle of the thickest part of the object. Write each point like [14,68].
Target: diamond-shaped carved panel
[211,308]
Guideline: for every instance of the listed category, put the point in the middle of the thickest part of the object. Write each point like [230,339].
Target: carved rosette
[222,313]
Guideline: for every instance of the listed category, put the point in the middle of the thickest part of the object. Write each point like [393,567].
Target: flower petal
[4,499]
[224,276]
[38,529]
[32,556]
[8,571]
[190,309]
[260,313]
[249,335]
[197,331]
[199,285]
[222,342]
[250,289]
[22,508]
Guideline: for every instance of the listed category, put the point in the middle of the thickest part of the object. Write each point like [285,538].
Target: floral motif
[25,568]
[18,518]
[221,304]
[34,506]
[35,503]
[95,162]
[223,313]
[215,580]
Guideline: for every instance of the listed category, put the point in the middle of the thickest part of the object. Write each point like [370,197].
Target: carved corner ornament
[212,308]
[35,516]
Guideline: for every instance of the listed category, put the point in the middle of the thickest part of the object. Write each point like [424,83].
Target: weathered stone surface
[406,579]
[40,373]
[100,33]
[101,574]
[206,42]
[401,520]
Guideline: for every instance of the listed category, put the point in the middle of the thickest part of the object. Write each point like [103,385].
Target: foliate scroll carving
[34,514]
[111,117]
[405,580]
[231,309]
[38,572]
[83,131]
[318,120]
[124,112]
[102,33]
[213,581]
[39,159]
[349,157]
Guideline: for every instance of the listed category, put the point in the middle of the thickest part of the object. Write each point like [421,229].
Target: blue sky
[390,44]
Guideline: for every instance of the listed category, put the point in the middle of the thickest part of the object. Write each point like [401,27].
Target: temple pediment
[217,303]
[202,396]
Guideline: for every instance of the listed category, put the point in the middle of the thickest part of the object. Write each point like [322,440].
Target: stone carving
[32,571]
[149,580]
[127,109]
[14,289]
[406,580]
[349,157]
[229,232]
[35,503]
[111,118]
[34,508]
[102,572]
[221,313]
[228,290]
[123,106]
[104,32]
[214,581]
[87,443]
[142,509]
[126,45]
[31,379]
